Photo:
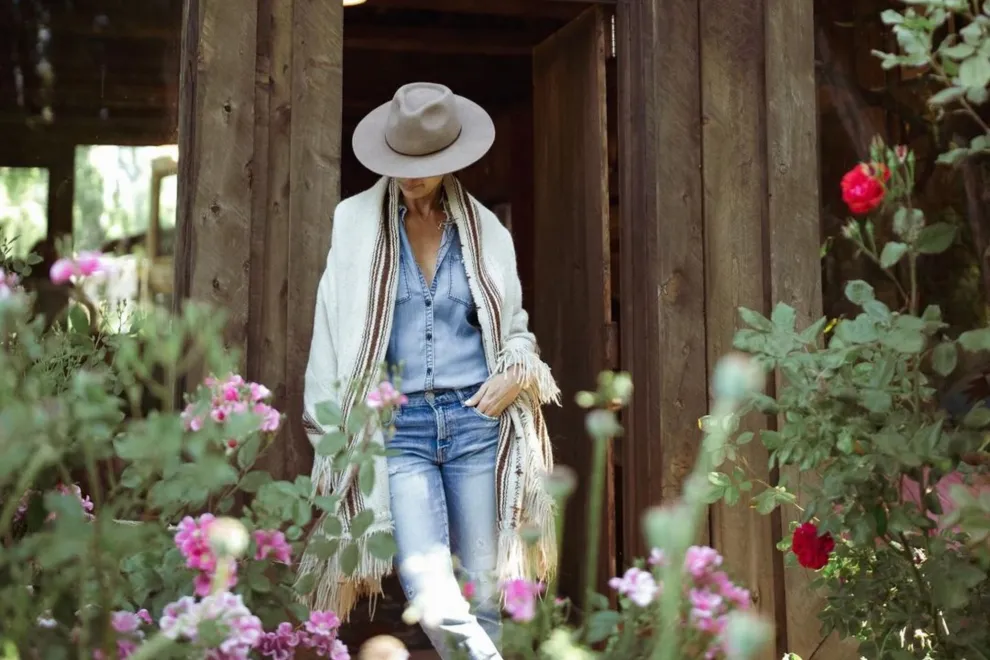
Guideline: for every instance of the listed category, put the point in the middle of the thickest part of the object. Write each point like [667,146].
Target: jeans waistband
[441,397]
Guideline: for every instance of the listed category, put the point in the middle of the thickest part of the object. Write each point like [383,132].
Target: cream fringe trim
[340,594]
[535,373]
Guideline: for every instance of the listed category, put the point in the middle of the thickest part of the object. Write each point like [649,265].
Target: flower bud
[383,647]
[561,482]
[602,424]
[622,388]
[736,376]
[411,615]
[746,635]
[228,537]
[665,527]
[585,400]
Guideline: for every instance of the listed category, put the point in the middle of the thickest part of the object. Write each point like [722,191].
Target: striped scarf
[353,321]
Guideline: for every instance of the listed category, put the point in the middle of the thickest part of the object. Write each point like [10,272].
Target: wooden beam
[736,262]
[662,256]
[367,36]
[317,92]
[795,267]
[216,125]
[522,8]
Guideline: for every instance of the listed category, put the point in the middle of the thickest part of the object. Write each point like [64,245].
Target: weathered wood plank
[267,339]
[662,272]
[794,240]
[527,8]
[572,291]
[314,190]
[733,106]
[216,115]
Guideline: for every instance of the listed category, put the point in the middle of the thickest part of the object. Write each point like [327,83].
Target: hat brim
[476,138]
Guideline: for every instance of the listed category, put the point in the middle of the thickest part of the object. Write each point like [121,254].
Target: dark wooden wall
[719,209]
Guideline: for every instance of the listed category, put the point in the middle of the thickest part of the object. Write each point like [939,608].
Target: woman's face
[413,189]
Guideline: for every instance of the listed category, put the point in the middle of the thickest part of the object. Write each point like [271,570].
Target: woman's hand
[497,393]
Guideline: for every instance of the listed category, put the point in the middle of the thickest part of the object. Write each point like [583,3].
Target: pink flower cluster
[711,594]
[272,543]
[127,625]
[84,264]
[233,396]
[319,634]
[520,598]
[385,396]
[181,620]
[192,539]
[10,284]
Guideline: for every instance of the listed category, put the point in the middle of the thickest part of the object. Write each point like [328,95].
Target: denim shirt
[441,316]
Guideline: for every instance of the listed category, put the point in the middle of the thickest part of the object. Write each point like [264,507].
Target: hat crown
[422,119]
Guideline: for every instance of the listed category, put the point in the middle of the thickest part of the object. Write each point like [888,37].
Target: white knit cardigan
[354,310]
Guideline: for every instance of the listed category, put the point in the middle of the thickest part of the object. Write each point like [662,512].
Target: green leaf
[975,71]
[904,340]
[974,341]
[361,523]
[332,526]
[349,558]
[327,503]
[892,253]
[745,438]
[331,444]
[252,481]
[784,317]
[755,320]
[366,477]
[858,292]
[601,625]
[356,420]
[947,95]
[248,453]
[978,417]
[944,358]
[79,319]
[719,479]
[328,413]
[382,546]
[908,222]
[957,51]
[877,401]
[305,584]
[936,238]
[953,156]
[324,549]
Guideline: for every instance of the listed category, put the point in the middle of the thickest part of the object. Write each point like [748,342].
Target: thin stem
[596,490]
[38,463]
[559,531]
[924,592]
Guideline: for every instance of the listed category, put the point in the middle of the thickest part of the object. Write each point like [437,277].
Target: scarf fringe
[535,372]
[537,561]
[338,593]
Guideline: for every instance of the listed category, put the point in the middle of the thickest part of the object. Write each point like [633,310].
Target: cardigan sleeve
[321,370]
[520,348]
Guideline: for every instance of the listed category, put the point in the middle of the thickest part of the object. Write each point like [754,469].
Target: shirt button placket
[429,341]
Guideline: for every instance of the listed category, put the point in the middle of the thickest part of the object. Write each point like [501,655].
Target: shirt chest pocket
[458,289]
[404,290]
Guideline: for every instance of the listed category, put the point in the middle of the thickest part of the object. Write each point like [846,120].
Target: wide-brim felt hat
[425,130]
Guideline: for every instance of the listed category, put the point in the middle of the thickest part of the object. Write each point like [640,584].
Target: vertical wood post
[662,269]
[259,177]
[735,174]
[61,189]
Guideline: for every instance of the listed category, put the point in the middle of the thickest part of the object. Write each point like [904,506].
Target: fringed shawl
[351,330]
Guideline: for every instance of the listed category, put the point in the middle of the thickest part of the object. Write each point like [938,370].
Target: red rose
[811,549]
[863,187]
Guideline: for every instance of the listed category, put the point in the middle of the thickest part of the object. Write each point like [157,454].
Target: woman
[423,277]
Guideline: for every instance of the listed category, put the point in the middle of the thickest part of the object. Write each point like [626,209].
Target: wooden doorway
[572,302]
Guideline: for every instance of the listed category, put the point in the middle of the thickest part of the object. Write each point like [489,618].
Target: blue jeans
[441,477]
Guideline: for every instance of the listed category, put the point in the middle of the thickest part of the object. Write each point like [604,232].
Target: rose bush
[859,405]
[135,530]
